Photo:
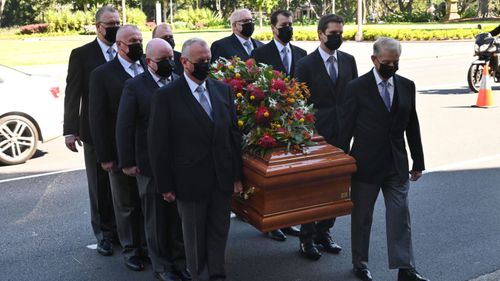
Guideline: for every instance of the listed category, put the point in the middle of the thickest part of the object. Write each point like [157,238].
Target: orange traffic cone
[485,97]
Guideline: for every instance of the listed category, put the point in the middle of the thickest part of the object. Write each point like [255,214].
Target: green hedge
[399,34]
[197,19]
[66,20]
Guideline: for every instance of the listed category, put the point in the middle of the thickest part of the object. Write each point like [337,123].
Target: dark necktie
[284,51]
[331,69]
[204,101]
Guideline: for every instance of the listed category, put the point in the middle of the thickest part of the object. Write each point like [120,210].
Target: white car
[31,110]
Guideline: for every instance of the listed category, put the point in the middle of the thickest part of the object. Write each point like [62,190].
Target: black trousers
[102,215]
[315,230]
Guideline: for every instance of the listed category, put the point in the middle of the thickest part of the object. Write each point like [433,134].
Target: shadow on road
[454,91]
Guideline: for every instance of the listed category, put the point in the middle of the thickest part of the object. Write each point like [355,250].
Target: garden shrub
[34,28]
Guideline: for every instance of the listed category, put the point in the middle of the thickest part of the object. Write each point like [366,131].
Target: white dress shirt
[104,49]
[325,57]
[126,65]
[193,85]
[390,85]
[243,40]
[159,79]
[288,53]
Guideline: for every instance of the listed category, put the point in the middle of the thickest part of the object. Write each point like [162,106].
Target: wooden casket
[285,189]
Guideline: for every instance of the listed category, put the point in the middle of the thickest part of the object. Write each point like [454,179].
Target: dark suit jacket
[326,96]
[132,122]
[269,54]
[106,87]
[495,31]
[190,154]
[230,46]
[76,101]
[379,141]
[179,69]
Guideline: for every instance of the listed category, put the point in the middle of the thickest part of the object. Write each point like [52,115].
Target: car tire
[18,139]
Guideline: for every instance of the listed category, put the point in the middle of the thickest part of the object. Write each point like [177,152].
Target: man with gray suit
[195,150]
[161,221]
[379,109]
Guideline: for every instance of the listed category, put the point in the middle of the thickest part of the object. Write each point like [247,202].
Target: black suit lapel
[149,80]
[373,88]
[276,56]
[241,52]
[195,107]
[322,72]
[123,74]
[98,55]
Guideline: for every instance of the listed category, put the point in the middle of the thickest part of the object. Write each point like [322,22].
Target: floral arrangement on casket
[272,109]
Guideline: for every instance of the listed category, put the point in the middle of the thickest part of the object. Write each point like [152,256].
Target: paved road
[44,227]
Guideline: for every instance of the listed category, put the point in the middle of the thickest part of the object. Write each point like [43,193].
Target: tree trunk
[365,8]
[2,5]
[482,8]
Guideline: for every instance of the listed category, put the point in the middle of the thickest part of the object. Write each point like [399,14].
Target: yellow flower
[278,126]
[291,100]
[240,123]
[252,97]
[230,67]
[301,120]
[239,95]
[237,75]
[266,114]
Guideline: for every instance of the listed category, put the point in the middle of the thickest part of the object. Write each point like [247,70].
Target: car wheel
[18,139]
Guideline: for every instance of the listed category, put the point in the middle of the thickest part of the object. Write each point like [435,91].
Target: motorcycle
[487,50]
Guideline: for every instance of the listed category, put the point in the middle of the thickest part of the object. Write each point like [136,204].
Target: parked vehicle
[487,50]
[31,110]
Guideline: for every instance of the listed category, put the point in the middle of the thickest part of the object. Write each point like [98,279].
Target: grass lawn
[22,50]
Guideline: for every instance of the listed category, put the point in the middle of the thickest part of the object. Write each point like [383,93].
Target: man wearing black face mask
[164,31]
[161,220]
[195,151]
[240,43]
[379,109]
[76,123]
[106,85]
[283,56]
[326,72]
[279,53]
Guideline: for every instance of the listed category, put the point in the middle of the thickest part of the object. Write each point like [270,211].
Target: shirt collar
[156,77]
[105,47]
[125,63]
[193,85]
[242,40]
[281,46]
[325,56]
[378,79]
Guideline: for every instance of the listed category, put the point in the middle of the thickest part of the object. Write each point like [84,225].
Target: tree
[2,5]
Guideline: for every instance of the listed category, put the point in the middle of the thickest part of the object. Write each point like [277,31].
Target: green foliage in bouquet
[272,108]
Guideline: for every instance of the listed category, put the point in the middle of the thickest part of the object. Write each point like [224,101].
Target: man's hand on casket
[169,197]
[238,187]
[415,175]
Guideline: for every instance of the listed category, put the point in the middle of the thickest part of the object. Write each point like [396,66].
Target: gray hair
[187,45]
[123,28]
[162,25]
[235,16]
[386,44]
[102,10]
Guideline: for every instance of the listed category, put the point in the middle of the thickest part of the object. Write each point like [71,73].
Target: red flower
[256,92]
[266,141]
[250,63]
[236,84]
[278,85]
[262,115]
[310,118]
[298,114]
[277,74]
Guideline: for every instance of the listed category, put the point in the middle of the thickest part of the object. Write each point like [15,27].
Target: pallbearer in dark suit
[326,72]
[283,56]
[279,52]
[195,152]
[106,86]
[161,221]
[76,123]
[240,43]
[379,109]
[164,31]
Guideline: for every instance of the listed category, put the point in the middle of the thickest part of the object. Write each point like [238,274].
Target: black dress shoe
[167,276]
[309,251]
[183,274]
[363,274]
[410,275]
[105,248]
[134,263]
[277,235]
[328,245]
[293,231]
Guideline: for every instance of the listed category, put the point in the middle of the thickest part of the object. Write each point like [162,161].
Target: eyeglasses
[166,37]
[110,23]
[246,21]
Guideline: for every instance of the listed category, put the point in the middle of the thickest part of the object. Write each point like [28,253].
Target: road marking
[463,163]
[41,175]
[494,276]
[92,246]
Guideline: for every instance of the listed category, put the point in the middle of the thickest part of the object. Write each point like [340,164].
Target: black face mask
[135,51]
[247,29]
[111,34]
[170,41]
[201,70]
[285,34]
[387,71]
[334,41]
[165,68]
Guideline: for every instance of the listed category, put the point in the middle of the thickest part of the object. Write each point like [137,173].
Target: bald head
[127,36]
[127,31]
[164,31]
[158,48]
